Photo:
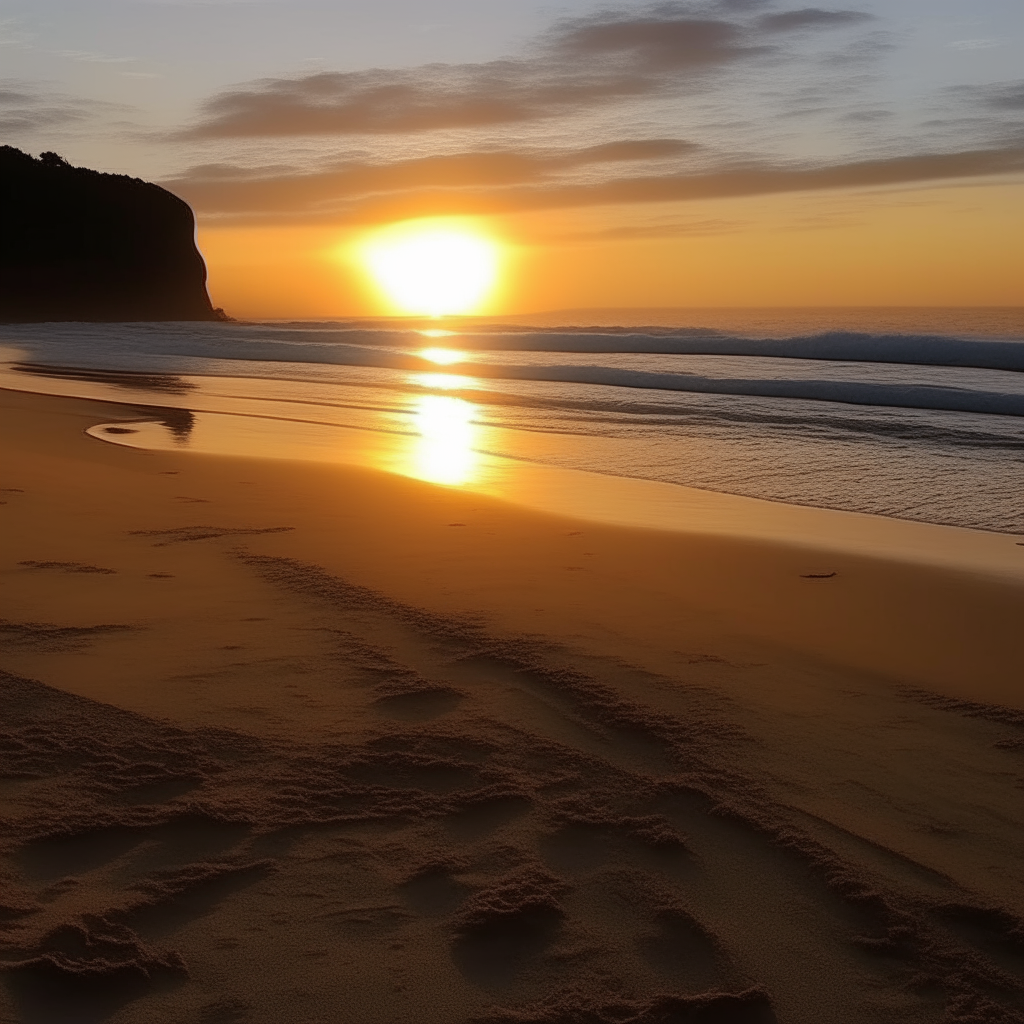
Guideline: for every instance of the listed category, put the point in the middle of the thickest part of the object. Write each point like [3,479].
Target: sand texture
[296,743]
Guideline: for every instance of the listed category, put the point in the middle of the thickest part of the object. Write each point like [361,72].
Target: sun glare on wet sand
[444,453]
[432,268]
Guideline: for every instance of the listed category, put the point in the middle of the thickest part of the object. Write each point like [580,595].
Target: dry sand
[286,742]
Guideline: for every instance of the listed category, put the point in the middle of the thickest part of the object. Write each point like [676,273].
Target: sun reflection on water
[444,450]
[442,356]
[441,381]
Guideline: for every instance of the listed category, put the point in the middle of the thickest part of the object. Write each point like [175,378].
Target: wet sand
[298,742]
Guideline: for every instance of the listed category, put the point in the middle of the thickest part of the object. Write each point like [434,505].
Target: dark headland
[77,244]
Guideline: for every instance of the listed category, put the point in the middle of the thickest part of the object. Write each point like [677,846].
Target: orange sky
[625,153]
[958,244]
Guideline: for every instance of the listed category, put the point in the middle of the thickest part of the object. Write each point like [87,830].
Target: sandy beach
[288,741]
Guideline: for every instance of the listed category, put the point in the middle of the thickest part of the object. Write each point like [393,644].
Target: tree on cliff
[76,244]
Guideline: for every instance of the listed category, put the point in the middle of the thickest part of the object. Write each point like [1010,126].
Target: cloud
[376,101]
[1006,96]
[869,116]
[812,17]
[220,188]
[580,64]
[509,183]
[991,111]
[735,98]
[974,44]
[672,42]
[92,57]
[25,111]
[660,229]
[635,149]
[761,179]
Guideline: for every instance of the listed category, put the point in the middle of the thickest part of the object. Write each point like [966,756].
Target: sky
[687,154]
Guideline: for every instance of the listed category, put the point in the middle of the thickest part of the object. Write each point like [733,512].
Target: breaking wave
[916,424]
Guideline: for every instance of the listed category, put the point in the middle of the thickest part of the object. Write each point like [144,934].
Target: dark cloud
[675,42]
[580,64]
[25,110]
[868,116]
[991,111]
[761,179]
[727,63]
[231,172]
[376,101]
[811,17]
[1007,96]
[32,116]
[423,99]
[666,229]
[504,182]
[24,122]
[635,149]
[222,188]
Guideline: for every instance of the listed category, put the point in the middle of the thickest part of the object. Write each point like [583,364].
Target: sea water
[913,414]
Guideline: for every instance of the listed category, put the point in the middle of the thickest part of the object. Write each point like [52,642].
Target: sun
[432,268]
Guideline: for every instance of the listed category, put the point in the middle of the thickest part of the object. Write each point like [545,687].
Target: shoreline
[635,503]
[894,597]
[321,742]
[883,460]
[605,499]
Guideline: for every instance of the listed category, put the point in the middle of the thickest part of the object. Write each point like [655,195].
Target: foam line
[388,347]
[923,350]
[912,396]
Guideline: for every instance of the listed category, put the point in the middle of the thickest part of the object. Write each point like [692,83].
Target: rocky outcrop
[76,244]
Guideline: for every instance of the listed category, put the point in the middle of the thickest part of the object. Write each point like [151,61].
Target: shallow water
[909,414]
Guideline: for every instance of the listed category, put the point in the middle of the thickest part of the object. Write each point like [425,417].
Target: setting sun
[431,268]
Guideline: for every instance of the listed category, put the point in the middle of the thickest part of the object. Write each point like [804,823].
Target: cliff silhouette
[76,244]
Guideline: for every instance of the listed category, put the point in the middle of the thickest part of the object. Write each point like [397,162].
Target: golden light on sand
[444,453]
[442,356]
[432,268]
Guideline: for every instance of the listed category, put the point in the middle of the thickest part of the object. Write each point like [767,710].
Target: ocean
[908,413]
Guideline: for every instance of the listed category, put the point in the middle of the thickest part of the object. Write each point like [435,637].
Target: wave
[317,344]
[190,348]
[904,396]
[923,350]
[938,437]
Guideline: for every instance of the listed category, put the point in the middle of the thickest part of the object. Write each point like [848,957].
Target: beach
[511,514]
[305,741]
